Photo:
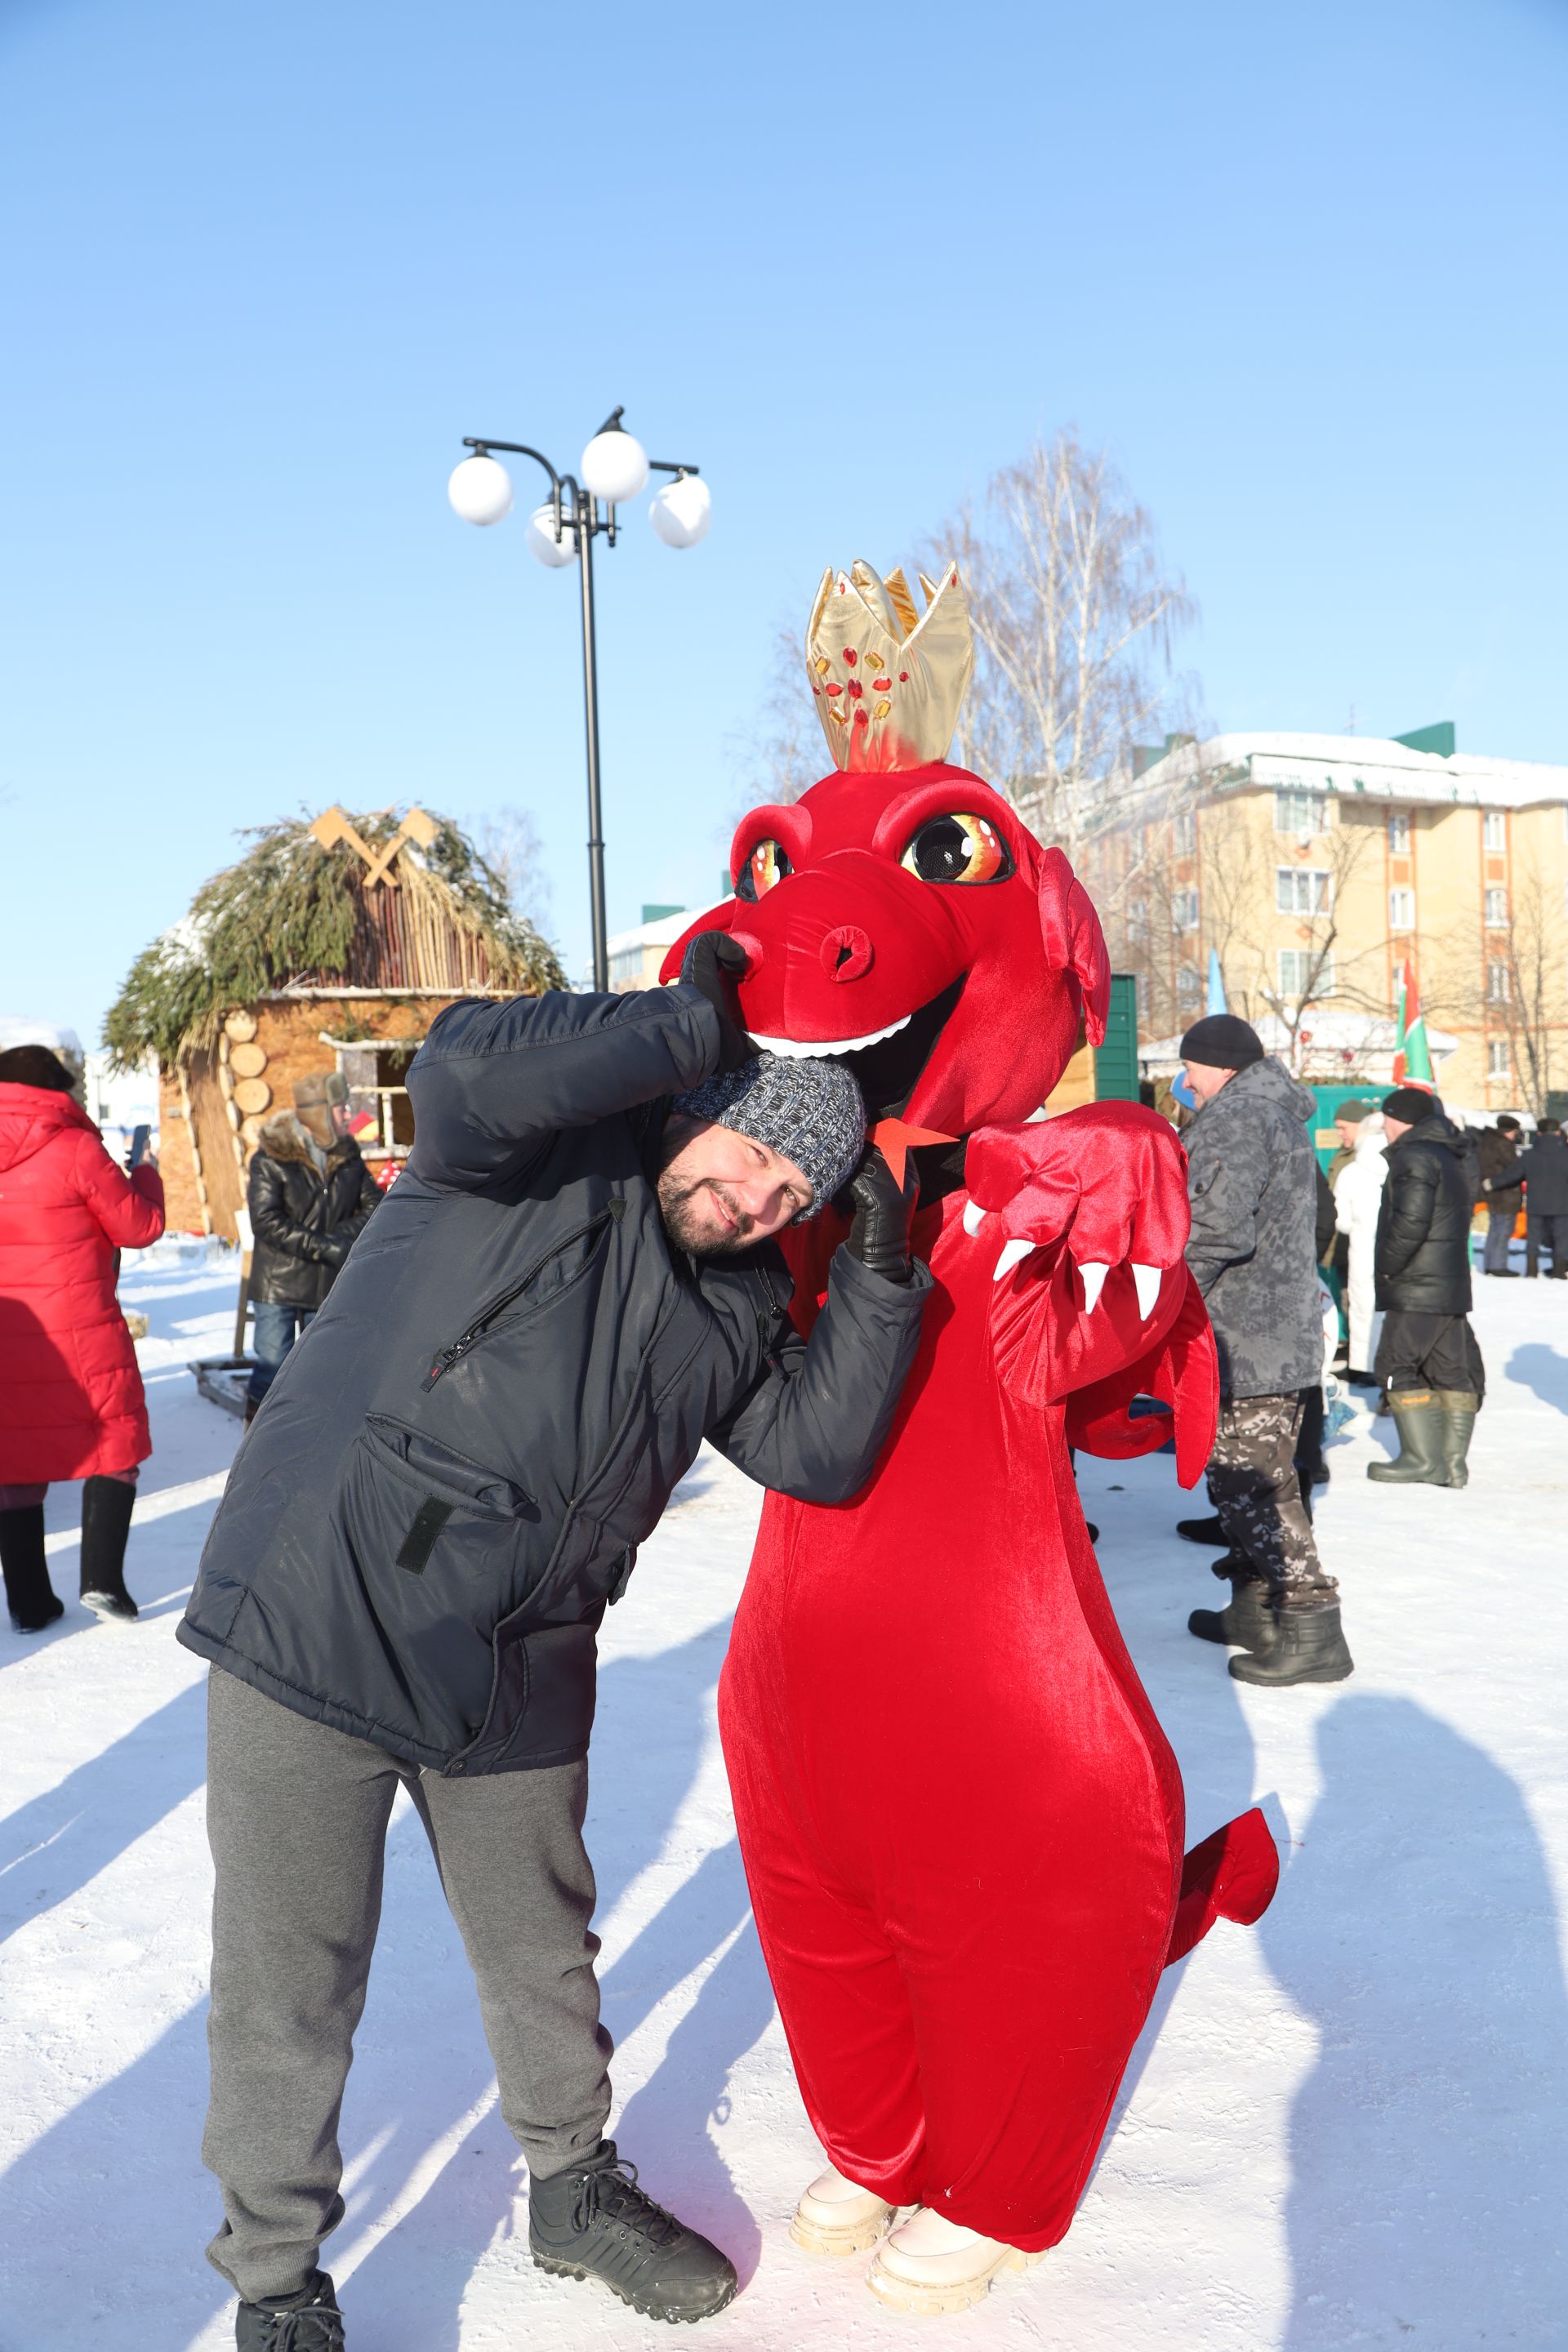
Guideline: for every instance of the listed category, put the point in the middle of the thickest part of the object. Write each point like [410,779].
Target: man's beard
[687,1232]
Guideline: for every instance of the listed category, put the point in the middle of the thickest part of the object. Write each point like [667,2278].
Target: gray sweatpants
[297,1815]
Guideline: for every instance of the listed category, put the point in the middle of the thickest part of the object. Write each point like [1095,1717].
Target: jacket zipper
[466,1340]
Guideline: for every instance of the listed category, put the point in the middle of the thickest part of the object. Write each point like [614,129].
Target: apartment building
[1314,866]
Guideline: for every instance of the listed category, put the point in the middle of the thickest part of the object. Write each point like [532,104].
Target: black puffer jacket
[1423,1252]
[1544,1171]
[305,1225]
[453,1471]
[1497,1158]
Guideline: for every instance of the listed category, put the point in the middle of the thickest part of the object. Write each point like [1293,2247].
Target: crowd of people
[315,1726]
[1401,1193]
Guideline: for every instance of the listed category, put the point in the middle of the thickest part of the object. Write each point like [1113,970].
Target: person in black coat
[572,1285]
[1543,1170]
[1427,1358]
[311,1197]
[1497,1156]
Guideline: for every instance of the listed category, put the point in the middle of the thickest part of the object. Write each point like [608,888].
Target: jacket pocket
[440,1549]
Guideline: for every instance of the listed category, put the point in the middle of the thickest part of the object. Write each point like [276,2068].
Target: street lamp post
[615,468]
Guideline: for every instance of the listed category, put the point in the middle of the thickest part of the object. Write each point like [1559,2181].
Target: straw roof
[293,913]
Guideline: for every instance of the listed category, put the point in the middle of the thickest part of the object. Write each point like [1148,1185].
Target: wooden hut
[330,945]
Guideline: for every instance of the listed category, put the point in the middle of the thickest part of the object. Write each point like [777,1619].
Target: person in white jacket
[1358,1190]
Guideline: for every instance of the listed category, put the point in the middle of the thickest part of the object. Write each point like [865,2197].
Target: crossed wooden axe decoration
[334,826]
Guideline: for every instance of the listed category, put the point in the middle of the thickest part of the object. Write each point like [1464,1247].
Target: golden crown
[888,682]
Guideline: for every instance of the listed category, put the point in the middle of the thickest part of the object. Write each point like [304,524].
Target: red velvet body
[961,1824]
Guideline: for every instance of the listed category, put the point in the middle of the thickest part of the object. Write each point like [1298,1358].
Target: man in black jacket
[1496,1157]
[571,1286]
[1543,1170]
[311,1197]
[1427,1358]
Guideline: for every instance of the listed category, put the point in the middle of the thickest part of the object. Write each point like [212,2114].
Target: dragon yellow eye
[958,848]
[768,863]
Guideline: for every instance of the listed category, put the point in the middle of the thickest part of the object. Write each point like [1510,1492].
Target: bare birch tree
[507,841]
[1074,619]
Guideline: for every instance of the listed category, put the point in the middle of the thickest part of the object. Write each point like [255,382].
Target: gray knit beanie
[810,1111]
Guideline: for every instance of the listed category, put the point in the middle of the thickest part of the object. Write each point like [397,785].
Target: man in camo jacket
[1252,1185]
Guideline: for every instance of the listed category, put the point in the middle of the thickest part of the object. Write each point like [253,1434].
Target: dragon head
[899,917]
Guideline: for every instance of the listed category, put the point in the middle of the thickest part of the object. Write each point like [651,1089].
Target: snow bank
[1345,2127]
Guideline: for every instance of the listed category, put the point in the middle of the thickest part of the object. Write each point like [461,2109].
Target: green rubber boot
[1460,1407]
[1423,1437]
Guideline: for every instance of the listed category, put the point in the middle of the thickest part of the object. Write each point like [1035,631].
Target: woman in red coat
[71,1404]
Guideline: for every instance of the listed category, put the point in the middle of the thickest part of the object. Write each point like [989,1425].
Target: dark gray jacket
[1544,1170]
[1251,1181]
[454,1469]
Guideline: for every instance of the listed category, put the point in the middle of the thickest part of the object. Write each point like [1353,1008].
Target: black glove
[882,1212]
[712,964]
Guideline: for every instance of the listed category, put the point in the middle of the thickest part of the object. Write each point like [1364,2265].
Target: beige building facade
[1314,866]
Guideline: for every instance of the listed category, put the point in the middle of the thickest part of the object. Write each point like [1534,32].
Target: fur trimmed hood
[285,1138]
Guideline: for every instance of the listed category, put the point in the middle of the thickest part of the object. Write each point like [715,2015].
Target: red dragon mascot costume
[961,1824]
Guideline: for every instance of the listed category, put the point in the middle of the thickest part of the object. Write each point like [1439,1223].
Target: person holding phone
[71,1402]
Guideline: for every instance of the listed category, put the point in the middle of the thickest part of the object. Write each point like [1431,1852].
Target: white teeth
[1013,1254]
[973,1218]
[791,1049]
[1094,1276]
[1147,1279]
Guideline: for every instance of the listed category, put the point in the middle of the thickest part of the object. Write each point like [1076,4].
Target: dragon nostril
[846,952]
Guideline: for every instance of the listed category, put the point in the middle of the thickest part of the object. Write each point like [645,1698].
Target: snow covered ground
[1345,2127]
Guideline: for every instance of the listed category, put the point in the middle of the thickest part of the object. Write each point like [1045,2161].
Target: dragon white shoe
[930,2264]
[835,2217]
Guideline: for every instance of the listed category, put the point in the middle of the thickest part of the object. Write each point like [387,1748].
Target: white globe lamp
[615,467]
[480,490]
[542,544]
[682,511]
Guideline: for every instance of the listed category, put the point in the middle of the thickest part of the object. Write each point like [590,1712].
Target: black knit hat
[1409,1105]
[1220,1042]
[35,1065]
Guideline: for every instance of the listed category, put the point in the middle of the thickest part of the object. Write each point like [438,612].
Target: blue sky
[1301,270]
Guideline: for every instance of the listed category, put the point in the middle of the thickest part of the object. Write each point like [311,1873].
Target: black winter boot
[1246,1620]
[106,1507]
[594,2221]
[30,1597]
[307,2322]
[1460,1407]
[1204,1531]
[1420,1421]
[1309,1646]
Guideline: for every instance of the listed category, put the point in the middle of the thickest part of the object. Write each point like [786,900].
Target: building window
[1494,831]
[1399,835]
[1496,1059]
[1184,911]
[1300,812]
[1497,910]
[1497,983]
[1185,831]
[1302,968]
[1137,919]
[1189,986]
[1402,911]
[1303,889]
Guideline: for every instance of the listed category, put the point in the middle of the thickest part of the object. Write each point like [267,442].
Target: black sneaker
[1204,1531]
[307,2322]
[594,2221]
